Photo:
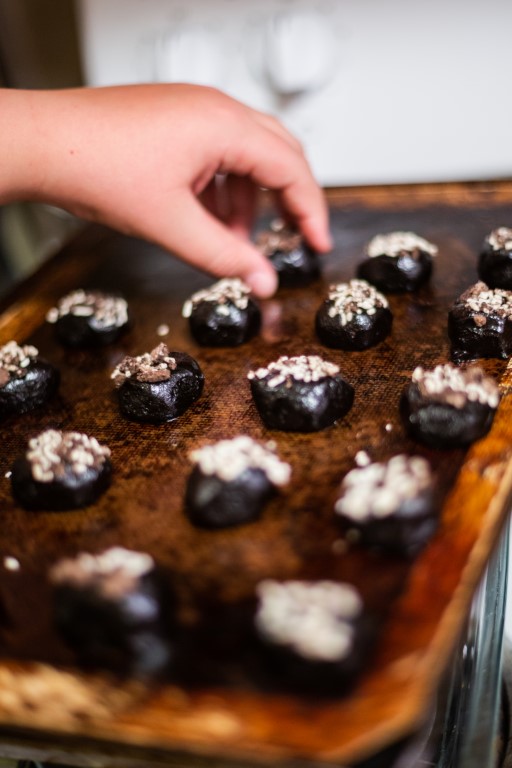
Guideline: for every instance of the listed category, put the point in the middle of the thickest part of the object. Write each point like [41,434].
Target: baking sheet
[215,708]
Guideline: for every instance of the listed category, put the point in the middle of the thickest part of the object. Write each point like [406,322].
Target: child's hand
[143,160]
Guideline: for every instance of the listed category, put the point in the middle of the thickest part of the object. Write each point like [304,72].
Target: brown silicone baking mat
[226,712]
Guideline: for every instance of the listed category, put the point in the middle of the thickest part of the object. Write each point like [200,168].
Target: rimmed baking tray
[225,713]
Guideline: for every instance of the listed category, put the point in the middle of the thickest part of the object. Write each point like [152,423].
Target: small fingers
[270,161]
[199,238]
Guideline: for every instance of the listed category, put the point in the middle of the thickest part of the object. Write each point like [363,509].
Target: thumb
[200,239]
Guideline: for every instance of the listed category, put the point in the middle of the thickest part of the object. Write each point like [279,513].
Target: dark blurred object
[38,44]
[38,49]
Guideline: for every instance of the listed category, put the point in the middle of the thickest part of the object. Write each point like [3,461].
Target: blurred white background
[379,92]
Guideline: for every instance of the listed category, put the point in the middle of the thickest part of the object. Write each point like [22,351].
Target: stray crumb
[11,564]
[362,459]
[163,330]
[352,536]
[8,474]
[339,547]
[388,427]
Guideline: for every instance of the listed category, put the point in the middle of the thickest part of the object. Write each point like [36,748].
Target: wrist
[21,144]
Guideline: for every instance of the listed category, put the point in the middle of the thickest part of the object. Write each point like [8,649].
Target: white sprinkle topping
[229,290]
[456,387]
[14,361]
[388,427]
[227,459]
[280,237]
[500,239]
[396,243]
[378,490]
[112,573]
[11,563]
[356,297]
[162,330]
[105,311]
[484,301]
[53,454]
[362,459]
[8,474]
[303,368]
[314,619]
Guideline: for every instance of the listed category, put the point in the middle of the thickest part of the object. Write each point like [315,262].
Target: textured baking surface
[228,713]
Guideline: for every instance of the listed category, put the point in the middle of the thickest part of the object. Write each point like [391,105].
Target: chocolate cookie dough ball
[157,386]
[295,262]
[111,609]
[449,407]
[495,263]
[480,323]
[89,318]
[232,481]
[398,262]
[354,316]
[300,394]
[61,471]
[26,381]
[391,506]
[314,635]
[223,315]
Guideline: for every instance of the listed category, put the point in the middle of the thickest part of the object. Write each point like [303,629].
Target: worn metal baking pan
[226,714]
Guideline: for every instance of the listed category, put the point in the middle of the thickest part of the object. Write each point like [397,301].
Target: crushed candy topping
[500,239]
[230,290]
[53,454]
[228,459]
[14,361]
[280,237]
[395,243]
[112,573]
[379,489]
[357,297]
[455,386]
[307,368]
[150,367]
[484,302]
[313,619]
[104,311]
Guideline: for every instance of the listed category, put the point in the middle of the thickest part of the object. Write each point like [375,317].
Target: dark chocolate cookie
[398,262]
[354,317]
[449,407]
[495,262]
[61,471]
[295,262]
[232,481]
[390,506]
[112,610]
[314,635]
[157,386]
[480,323]
[223,315]
[26,381]
[300,394]
[89,318]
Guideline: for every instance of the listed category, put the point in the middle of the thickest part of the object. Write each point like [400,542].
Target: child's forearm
[20,162]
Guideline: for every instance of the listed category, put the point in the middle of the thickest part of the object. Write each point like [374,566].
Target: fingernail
[263,284]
